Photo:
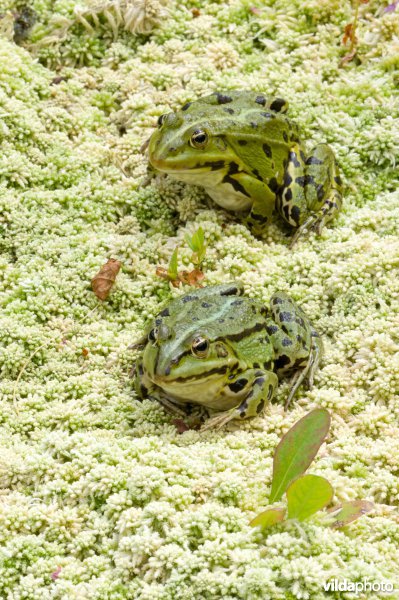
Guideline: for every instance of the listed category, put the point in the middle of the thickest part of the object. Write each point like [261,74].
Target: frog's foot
[169,405]
[316,221]
[257,387]
[307,373]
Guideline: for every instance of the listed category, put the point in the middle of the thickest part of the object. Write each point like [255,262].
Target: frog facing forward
[216,348]
[246,153]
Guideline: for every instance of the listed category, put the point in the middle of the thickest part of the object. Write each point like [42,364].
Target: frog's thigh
[263,203]
[291,200]
[323,190]
[259,387]
[296,343]
[290,333]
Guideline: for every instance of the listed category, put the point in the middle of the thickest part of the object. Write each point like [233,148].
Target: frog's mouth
[202,389]
[179,165]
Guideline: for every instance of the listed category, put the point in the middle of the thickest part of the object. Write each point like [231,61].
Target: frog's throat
[218,186]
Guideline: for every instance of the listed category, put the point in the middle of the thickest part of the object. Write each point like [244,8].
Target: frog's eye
[161,119]
[153,335]
[200,347]
[199,139]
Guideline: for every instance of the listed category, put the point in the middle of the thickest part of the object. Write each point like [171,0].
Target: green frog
[246,153]
[226,352]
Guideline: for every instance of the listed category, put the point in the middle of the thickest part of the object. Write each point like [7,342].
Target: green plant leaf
[197,244]
[349,511]
[172,268]
[267,518]
[297,449]
[308,494]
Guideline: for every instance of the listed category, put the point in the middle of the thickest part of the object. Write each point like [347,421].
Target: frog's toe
[218,421]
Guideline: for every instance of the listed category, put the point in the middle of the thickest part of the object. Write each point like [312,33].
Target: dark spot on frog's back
[282,361]
[267,150]
[186,106]
[165,313]
[278,105]
[286,316]
[229,110]
[223,98]
[260,407]
[277,300]
[189,298]
[231,291]
[295,211]
[237,302]
[285,136]
[206,304]
[238,385]
[273,184]
[288,196]
[313,160]
[271,329]
[268,115]
[260,100]
[242,142]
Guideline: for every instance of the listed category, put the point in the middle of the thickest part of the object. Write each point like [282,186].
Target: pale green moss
[102,498]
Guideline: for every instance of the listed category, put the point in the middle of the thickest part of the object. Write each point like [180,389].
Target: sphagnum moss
[102,498]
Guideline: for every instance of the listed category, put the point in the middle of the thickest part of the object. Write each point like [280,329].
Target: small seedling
[196,276]
[197,244]
[350,35]
[306,494]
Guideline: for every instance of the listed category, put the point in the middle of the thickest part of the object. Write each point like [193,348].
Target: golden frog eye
[200,347]
[199,139]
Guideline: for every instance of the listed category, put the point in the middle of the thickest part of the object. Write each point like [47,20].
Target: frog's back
[213,313]
[244,114]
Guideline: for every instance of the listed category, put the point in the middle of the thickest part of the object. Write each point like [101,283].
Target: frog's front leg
[311,194]
[263,201]
[251,388]
[297,345]
[145,388]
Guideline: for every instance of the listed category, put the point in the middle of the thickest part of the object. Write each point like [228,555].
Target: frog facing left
[221,350]
[241,147]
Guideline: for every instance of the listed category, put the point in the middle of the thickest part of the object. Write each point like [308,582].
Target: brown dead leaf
[163,274]
[349,34]
[105,278]
[182,426]
[193,278]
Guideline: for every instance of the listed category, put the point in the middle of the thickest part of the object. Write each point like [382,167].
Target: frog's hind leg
[323,190]
[297,345]
[311,194]
[309,369]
